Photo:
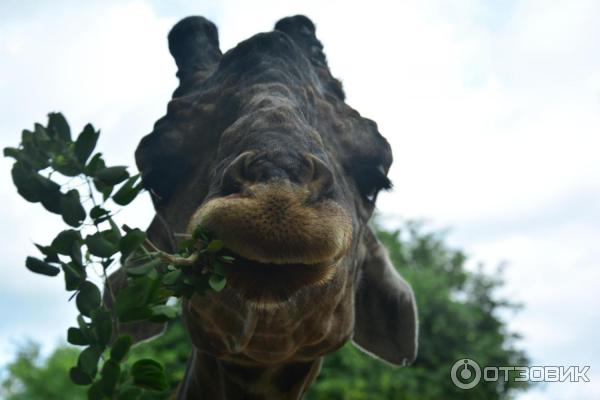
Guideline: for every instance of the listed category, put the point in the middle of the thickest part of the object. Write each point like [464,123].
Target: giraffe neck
[210,378]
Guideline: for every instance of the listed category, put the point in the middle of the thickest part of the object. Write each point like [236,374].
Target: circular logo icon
[465,374]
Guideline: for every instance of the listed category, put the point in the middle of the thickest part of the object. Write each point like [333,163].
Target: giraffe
[259,146]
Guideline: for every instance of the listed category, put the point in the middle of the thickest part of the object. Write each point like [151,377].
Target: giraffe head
[259,147]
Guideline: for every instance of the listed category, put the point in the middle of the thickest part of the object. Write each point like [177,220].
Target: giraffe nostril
[303,169]
[235,174]
[320,183]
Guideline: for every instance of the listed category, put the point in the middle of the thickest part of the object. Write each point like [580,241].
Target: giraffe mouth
[281,240]
[267,284]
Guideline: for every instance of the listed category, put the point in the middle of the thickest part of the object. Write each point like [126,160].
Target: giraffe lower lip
[250,263]
[268,283]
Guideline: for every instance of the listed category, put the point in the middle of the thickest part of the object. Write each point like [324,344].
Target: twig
[171,259]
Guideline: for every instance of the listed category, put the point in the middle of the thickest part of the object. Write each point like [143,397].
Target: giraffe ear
[385,311]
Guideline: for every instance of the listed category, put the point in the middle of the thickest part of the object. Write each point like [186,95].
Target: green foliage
[29,377]
[458,314]
[458,318]
[52,169]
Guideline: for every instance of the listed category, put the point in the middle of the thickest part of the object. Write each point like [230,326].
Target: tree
[29,377]
[458,313]
[458,318]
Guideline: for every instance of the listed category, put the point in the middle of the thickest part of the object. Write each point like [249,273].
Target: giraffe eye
[371,197]
[370,181]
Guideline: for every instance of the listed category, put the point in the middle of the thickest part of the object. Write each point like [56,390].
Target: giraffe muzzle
[278,236]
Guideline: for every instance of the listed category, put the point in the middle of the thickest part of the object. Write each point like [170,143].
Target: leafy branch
[68,179]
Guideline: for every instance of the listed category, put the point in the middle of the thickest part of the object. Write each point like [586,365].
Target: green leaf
[215,246]
[99,246]
[106,190]
[199,233]
[135,314]
[63,242]
[86,143]
[110,376]
[216,282]
[74,276]
[130,393]
[88,360]
[38,138]
[103,324]
[26,183]
[149,374]
[114,235]
[112,175]
[84,327]
[71,209]
[99,214]
[96,164]
[128,192]
[46,185]
[40,129]
[76,255]
[58,127]
[96,392]
[120,348]
[164,312]
[33,157]
[227,259]
[145,268]
[46,190]
[218,268]
[41,267]
[187,246]
[136,295]
[49,252]
[79,377]
[51,201]
[76,337]
[131,241]
[12,152]
[27,136]
[171,277]
[146,364]
[88,299]
[67,164]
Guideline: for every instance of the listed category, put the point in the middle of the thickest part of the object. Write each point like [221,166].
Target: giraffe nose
[304,169]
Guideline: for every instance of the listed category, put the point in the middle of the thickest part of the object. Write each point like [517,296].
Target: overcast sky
[492,109]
